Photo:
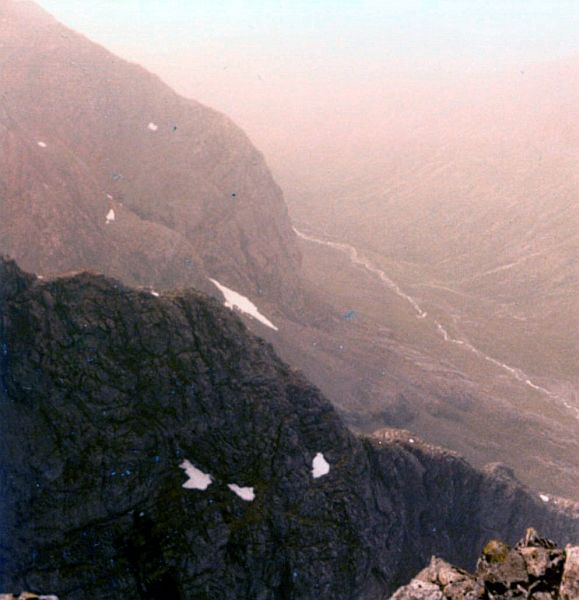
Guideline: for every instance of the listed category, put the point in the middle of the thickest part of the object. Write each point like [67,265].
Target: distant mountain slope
[469,196]
[103,167]
[83,132]
[153,448]
[465,194]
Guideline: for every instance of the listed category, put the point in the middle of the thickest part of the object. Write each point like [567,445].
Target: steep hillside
[103,165]
[153,448]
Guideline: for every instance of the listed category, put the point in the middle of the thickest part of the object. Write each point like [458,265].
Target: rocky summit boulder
[535,568]
[570,580]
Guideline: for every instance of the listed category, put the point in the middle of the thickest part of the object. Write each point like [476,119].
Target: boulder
[535,568]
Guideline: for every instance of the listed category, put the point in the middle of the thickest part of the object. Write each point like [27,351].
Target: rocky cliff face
[153,448]
[103,166]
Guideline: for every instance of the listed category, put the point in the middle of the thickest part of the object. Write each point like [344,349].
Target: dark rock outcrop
[27,596]
[106,391]
[535,568]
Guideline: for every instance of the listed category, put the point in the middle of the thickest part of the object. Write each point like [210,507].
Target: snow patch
[235,300]
[152,126]
[110,216]
[109,197]
[42,144]
[544,498]
[245,493]
[197,479]
[320,466]
[411,440]
[154,293]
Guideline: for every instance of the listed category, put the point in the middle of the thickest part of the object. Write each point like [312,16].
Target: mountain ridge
[84,136]
[107,389]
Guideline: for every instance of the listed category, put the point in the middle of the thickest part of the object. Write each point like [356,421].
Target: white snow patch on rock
[245,493]
[411,441]
[235,300]
[154,293]
[197,479]
[320,466]
[42,144]
[544,498]
[110,216]
[152,126]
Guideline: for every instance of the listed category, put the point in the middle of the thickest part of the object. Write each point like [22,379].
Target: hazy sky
[471,29]
[268,63]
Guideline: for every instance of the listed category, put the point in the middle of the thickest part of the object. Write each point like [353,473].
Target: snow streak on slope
[366,265]
[198,480]
[320,466]
[234,299]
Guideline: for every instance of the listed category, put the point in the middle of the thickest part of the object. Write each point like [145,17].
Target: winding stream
[363,263]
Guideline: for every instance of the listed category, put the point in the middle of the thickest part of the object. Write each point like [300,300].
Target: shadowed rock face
[83,132]
[106,391]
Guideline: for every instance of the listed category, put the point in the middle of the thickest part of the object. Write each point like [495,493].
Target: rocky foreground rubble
[27,596]
[535,568]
